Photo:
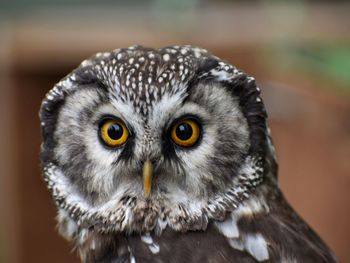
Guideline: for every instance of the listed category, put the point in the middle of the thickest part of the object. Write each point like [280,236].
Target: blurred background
[298,51]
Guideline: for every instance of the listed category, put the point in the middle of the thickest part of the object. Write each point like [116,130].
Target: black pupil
[115,131]
[184,131]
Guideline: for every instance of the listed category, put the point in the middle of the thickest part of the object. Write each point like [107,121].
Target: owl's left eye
[186,132]
[113,132]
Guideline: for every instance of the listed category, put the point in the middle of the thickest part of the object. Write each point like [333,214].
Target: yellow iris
[114,133]
[185,133]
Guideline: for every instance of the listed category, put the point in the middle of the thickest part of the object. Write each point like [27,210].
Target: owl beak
[147,173]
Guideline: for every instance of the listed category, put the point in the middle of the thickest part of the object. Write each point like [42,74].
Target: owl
[165,155]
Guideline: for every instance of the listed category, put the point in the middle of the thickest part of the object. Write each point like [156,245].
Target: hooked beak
[147,173]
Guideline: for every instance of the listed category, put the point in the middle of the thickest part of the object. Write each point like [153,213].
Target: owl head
[141,139]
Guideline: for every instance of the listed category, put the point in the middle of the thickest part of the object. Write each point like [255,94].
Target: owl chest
[220,242]
[192,247]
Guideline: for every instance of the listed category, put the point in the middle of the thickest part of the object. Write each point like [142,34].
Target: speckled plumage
[224,189]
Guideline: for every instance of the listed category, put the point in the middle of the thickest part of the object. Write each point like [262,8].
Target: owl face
[140,139]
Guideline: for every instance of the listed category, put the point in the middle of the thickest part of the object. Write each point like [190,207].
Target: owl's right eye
[113,133]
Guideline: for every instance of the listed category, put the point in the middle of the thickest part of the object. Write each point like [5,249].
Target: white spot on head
[197,54]
[166,57]
[221,75]
[183,51]
[86,62]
